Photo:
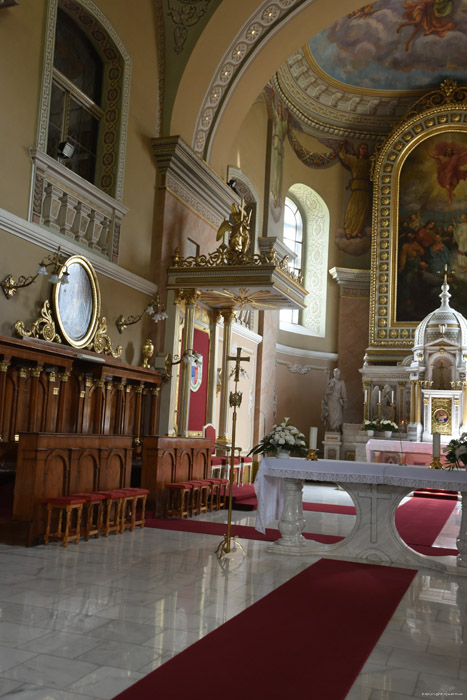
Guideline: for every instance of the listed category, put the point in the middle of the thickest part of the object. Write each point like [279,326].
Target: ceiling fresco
[393,45]
[360,76]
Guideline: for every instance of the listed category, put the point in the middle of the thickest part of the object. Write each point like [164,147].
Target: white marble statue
[334,402]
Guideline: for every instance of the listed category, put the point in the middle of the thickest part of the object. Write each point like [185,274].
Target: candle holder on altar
[311,455]
[436,463]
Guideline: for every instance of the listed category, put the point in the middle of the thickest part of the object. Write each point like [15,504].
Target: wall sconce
[189,357]
[10,286]
[154,309]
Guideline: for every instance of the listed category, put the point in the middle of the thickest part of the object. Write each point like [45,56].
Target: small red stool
[134,498]
[201,491]
[93,512]
[217,495]
[179,499]
[113,501]
[69,505]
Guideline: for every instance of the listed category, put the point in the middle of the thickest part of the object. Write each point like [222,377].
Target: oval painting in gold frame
[77,304]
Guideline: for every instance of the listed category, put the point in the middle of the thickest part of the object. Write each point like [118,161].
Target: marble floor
[90,620]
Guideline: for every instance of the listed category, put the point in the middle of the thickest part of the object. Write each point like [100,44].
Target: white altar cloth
[376,490]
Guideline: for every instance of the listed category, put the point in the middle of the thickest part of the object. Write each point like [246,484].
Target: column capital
[189,296]
[215,315]
[228,315]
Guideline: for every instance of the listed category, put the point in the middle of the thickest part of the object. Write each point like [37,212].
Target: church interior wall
[21,41]
[352,339]
[248,153]
[301,380]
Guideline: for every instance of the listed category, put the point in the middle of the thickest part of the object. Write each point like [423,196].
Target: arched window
[306,232]
[293,239]
[75,105]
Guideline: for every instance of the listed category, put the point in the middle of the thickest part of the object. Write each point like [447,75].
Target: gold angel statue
[239,227]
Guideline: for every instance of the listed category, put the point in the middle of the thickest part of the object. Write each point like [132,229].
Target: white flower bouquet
[282,437]
[389,425]
[456,453]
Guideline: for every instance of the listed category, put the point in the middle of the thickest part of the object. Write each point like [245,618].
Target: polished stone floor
[88,621]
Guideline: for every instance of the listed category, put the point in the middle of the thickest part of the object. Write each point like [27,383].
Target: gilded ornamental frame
[77,304]
[443,111]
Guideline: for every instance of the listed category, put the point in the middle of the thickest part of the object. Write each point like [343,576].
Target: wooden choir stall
[77,421]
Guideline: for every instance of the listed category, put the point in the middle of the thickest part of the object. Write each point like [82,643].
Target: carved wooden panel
[51,465]
[166,460]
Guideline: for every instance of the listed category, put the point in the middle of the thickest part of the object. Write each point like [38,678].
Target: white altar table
[376,490]
[397,452]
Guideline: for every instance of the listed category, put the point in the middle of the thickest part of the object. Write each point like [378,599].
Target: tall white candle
[313,438]
[379,395]
[436,444]
[392,396]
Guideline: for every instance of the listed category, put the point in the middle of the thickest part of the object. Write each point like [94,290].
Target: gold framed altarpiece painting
[419,222]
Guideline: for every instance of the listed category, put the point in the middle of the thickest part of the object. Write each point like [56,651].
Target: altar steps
[244,498]
[433,493]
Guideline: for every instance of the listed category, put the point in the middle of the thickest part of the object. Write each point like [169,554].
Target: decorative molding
[244,332]
[331,108]
[352,283]
[266,21]
[297,368]
[48,240]
[188,177]
[314,354]
[184,17]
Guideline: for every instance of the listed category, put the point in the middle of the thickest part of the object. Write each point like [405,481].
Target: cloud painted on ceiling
[390,45]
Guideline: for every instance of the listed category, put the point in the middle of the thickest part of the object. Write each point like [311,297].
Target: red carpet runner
[419,522]
[308,638]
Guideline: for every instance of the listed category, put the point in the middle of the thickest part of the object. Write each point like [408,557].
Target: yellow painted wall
[249,152]
[21,40]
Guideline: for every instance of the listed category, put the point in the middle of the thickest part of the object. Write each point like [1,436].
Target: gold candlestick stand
[235,400]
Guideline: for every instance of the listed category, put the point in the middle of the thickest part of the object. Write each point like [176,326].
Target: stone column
[229,317]
[413,384]
[417,401]
[464,403]
[212,379]
[191,297]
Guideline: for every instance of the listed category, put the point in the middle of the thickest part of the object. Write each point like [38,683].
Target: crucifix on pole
[235,400]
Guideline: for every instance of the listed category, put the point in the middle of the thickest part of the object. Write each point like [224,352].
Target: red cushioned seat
[113,511]
[71,506]
[66,500]
[94,496]
[93,513]
[133,498]
[179,500]
[111,493]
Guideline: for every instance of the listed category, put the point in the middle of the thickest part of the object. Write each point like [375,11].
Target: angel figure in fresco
[449,157]
[359,205]
[364,11]
[429,16]
[239,227]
